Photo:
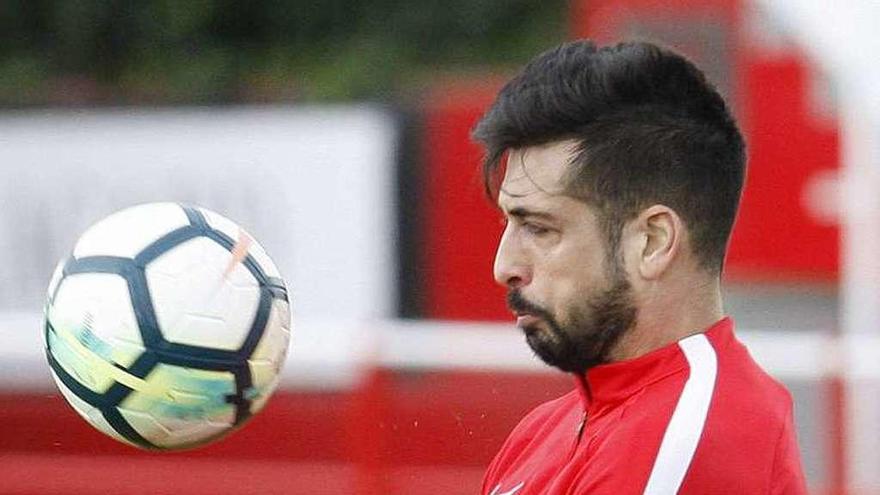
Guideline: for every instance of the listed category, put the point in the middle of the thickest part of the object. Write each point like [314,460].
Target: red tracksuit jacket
[697,417]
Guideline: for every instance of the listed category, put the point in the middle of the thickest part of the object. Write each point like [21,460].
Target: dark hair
[651,129]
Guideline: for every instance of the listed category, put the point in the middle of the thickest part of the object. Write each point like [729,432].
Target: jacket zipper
[579,435]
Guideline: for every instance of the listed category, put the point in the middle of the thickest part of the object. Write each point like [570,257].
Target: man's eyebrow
[521,212]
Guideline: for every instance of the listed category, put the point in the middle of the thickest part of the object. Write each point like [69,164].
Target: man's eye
[535,229]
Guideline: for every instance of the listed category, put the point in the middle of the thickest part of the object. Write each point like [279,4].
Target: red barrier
[397,433]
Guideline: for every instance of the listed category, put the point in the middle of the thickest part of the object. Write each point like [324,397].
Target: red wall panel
[460,225]
[777,235]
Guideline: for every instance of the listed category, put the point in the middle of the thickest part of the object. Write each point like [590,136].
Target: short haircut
[650,130]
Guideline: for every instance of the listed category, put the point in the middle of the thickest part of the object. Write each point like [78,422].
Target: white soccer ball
[167,326]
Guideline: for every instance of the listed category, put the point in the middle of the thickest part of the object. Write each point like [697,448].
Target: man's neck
[668,318]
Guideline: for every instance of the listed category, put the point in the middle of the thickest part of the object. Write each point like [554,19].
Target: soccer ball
[167,326]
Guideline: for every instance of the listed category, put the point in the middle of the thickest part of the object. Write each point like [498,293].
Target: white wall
[312,184]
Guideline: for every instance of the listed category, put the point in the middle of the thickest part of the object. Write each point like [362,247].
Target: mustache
[518,303]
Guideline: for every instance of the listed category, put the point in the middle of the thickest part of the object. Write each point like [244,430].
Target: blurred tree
[217,51]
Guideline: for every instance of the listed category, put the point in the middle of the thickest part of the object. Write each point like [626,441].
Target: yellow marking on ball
[103,367]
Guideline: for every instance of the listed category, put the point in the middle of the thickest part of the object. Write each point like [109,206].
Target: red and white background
[405,372]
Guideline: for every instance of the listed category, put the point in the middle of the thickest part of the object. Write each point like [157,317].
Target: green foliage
[214,51]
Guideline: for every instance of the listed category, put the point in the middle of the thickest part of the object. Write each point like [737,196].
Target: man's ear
[654,239]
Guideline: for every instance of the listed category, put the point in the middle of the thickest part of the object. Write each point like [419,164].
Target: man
[619,172]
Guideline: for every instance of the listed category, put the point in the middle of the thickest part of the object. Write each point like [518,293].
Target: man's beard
[587,339]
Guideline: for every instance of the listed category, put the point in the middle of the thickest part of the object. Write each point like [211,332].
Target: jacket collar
[613,383]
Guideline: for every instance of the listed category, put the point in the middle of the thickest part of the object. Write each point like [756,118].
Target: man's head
[616,168]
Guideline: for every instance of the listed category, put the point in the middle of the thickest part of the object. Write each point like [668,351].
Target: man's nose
[511,269]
